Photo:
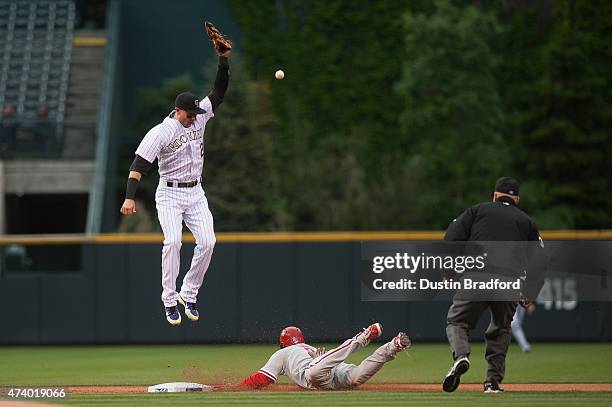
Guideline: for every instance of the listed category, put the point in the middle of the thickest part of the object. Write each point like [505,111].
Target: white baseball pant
[175,205]
[329,371]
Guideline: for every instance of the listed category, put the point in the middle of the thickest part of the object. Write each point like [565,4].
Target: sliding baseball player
[313,368]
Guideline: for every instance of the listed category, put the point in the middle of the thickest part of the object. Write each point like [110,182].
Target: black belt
[182,184]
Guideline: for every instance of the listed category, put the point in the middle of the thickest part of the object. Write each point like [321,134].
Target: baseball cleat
[491,386]
[453,377]
[401,342]
[190,309]
[373,331]
[173,316]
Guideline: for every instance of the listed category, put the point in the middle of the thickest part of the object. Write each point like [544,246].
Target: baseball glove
[222,45]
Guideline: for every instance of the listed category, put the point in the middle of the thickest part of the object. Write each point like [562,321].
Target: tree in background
[526,34]
[239,180]
[397,115]
[452,112]
[561,104]
[335,111]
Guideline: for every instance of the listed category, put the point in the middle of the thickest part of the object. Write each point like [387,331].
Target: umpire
[499,220]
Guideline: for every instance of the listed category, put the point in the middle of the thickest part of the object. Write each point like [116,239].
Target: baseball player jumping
[313,368]
[178,145]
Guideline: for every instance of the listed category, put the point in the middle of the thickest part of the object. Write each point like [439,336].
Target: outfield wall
[252,290]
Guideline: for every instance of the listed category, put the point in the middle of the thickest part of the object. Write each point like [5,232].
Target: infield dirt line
[388,387]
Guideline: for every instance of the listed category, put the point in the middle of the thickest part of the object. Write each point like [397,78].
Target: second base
[178,387]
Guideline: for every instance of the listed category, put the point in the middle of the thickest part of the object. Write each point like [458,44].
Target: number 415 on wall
[559,293]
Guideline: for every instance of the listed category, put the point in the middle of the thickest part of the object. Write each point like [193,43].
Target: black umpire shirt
[502,220]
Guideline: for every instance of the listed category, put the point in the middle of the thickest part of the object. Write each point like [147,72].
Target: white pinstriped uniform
[327,371]
[180,154]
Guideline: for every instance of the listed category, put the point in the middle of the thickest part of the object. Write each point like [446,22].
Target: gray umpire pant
[463,316]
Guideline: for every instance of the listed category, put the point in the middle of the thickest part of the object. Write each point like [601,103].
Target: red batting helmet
[290,336]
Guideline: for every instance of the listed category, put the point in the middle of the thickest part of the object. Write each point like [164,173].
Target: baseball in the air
[279,74]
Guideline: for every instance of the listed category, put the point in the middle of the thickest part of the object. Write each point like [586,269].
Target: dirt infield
[388,387]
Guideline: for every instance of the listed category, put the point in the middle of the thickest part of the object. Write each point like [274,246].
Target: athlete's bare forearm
[135,174]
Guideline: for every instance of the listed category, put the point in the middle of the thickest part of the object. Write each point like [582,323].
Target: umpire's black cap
[187,101]
[507,185]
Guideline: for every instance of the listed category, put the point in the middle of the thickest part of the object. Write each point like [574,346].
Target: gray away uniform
[327,371]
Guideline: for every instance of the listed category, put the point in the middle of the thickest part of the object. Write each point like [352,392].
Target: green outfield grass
[423,363]
[347,398]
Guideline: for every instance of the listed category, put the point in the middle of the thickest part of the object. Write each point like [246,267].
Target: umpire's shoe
[190,309]
[491,386]
[453,377]
[173,315]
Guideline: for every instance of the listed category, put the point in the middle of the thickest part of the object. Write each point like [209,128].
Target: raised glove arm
[222,45]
